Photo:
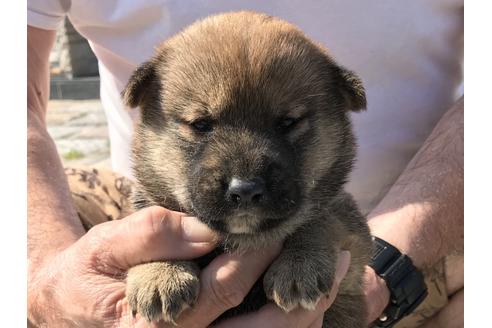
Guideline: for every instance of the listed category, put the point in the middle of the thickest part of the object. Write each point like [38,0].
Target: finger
[271,316]
[151,234]
[224,284]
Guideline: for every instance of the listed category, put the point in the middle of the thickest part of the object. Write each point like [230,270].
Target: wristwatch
[405,282]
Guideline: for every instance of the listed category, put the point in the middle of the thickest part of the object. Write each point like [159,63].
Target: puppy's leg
[305,269]
[162,290]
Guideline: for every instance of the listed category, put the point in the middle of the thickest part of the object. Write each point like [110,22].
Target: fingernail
[196,231]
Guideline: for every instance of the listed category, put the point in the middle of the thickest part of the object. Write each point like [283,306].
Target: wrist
[37,311]
[39,260]
[44,305]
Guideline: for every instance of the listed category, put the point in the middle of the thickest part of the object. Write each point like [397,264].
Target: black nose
[243,192]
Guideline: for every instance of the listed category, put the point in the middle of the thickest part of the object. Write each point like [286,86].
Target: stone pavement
[80,132]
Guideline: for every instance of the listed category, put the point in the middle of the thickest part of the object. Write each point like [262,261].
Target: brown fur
[249,96]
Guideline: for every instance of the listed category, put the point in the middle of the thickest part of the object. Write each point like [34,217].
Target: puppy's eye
[288,123]
[202,126]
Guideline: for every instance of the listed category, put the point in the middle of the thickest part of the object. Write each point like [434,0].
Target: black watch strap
[405,282]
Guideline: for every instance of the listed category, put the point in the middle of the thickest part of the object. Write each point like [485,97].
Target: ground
[80,132]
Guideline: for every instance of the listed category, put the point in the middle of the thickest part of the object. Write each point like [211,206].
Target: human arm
[52,221]
[422,214]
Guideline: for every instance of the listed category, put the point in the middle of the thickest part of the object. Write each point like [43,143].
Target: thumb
[151,234]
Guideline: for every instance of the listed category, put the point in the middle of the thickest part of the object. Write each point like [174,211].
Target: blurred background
[76,120]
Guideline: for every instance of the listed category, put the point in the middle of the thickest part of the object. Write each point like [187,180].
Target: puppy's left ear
[351,89]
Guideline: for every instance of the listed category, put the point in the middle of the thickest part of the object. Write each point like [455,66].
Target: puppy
[245,125]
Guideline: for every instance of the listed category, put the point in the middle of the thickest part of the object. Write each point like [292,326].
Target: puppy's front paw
[297,280]
[162,290]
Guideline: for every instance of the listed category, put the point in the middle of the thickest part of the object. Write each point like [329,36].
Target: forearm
[422,214]
[52,220]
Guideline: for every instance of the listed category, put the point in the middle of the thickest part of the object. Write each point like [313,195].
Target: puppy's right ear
[141,85]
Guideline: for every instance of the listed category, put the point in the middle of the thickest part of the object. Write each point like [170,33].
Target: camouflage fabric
[436,300]
[101,195]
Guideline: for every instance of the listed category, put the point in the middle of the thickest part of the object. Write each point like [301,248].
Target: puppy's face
[244,124]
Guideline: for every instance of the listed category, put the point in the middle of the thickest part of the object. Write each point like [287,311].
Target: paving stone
[85,105]
[85,146]
[90,119]
[92,132]
[79,129]
[63,132]
[99,160]
[61,117]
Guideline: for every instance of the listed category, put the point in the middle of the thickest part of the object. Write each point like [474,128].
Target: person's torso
[408,54]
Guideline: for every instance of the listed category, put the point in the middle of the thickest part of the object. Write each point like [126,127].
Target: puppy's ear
[350,87]
[141,85]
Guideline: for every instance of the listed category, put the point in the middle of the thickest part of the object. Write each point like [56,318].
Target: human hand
[271,316]
[84,285]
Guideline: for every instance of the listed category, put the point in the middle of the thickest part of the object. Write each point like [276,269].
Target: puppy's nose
[244,192]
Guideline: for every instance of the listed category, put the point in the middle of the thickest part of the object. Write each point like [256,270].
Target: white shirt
[408,54]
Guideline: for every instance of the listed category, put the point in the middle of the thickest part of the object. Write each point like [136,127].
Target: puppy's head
[244,124]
